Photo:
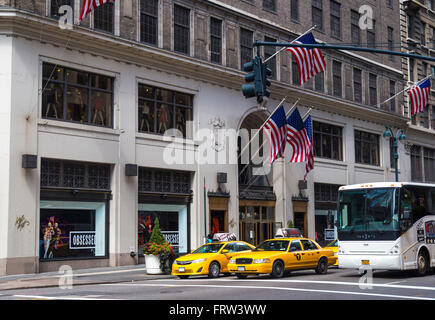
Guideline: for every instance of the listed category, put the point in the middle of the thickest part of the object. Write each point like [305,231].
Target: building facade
[137,113]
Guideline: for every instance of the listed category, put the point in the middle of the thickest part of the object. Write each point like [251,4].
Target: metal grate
[161,181]
[74,175]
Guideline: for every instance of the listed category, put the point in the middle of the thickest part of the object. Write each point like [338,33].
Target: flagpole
[312,28]
[291,109]
[406,89]
[279,105]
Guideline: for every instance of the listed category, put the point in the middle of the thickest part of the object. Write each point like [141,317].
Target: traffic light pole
[341,47]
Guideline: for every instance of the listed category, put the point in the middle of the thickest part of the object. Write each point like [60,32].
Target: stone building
[87,167]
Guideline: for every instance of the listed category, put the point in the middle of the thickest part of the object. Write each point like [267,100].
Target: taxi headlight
[198,260]
[175,262]
[262,261]
[232,261]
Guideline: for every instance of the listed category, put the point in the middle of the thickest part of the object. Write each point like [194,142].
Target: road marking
[317,282]
[58,298]
[272,288]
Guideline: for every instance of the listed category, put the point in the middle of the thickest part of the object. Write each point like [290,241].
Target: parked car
[210,259]
[275,256]
[334,247]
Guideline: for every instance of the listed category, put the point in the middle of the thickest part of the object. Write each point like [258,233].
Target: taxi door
[310,254]
[294,255]
[227,253]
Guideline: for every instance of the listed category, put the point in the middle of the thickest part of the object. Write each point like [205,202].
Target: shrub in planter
[158,247]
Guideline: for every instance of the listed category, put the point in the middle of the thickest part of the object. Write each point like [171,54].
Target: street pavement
[132,283]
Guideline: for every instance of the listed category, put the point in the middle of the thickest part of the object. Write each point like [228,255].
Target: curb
[54,282]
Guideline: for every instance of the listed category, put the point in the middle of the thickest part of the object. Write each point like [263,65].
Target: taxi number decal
[298,256]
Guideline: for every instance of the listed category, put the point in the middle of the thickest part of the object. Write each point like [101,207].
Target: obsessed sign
[82,240]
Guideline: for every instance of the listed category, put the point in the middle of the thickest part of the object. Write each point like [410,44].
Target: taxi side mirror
[225,251]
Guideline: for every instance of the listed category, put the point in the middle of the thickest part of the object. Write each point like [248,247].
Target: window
[410,24]
[392,93]
[390,40]
[424,118]
[324,192]
[148,21]
[373,91]
[309,245]
[181,29]
[160,110]
[328,141]
[246,40]
[423,34]
[215,40]
[77,96]
[56,4]
[390,4]
[319,82]
[335,19]
[268,52]
[336,79]
[371,36]
[357,85]
[295,72]
[355,29]
[411,75]
[430,4]
[269,5]
[416,164]
[74,206]
[429,165]
[366,148]
[295,246]
[294,10]
[432,45]
[104,17]
[433,117]
[317,13]
[166,181]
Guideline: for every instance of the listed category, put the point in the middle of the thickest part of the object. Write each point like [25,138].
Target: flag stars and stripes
[297,138]
[275,129]
[419,96]
[89,5]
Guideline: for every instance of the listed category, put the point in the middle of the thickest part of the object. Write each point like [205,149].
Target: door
[217,221]
[299,222]
[294,256]
[310,255]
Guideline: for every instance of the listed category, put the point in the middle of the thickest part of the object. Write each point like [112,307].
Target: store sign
[82,240]
[172,237]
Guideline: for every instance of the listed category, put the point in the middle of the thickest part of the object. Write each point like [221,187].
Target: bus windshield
[371,212]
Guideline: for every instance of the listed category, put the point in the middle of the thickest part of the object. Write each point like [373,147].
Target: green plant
[156,235]
[290,224]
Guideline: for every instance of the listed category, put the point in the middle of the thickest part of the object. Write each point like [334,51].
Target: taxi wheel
[278,269]
[322,266]
[214,270]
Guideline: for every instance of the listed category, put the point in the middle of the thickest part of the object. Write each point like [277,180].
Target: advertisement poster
[430,233]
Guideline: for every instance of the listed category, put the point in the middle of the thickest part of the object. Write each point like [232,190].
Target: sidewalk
[80,277]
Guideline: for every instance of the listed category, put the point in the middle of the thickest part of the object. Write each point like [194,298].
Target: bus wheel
[422,263]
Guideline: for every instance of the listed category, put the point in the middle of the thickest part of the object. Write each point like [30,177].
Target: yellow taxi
[334,247]
[210,259]
[275,256]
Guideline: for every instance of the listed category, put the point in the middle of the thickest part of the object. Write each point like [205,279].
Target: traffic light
[257,79]
[266,72]
[253,78]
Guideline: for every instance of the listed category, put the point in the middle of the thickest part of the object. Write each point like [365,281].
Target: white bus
[387,226]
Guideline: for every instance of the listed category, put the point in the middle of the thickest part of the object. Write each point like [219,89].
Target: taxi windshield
[273,245]
[209,248]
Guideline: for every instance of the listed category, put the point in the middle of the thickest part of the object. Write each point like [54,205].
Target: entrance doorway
[217,220]
[300,209]
[218,215]
[257,221]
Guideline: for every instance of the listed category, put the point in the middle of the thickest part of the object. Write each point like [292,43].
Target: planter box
[152,264]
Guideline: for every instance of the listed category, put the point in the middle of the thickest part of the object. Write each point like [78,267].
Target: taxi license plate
[365,262]
[240,268]
[181,269]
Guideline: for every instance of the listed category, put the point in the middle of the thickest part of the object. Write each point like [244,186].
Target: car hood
[196,256]
[260,254]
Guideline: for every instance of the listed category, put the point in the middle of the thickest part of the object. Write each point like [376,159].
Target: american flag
[276,130]
[310,60]
[89,5]
[297,138]
[419,96]
[309,165]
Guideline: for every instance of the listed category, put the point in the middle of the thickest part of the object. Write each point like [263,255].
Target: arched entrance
[256,196]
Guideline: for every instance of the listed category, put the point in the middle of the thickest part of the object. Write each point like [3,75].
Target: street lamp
[399,136]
